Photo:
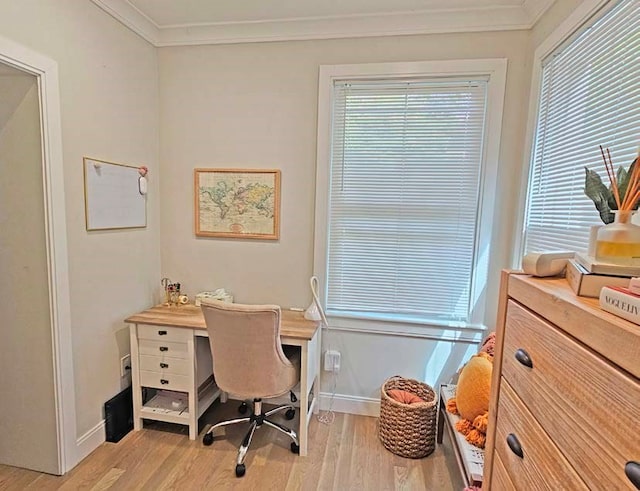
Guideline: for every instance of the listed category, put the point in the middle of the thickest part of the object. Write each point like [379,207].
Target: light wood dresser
[565,402]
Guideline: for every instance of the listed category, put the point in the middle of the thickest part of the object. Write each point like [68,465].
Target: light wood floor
[345,455]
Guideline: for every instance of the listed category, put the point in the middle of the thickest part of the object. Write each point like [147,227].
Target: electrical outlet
[332,361]
[125,365]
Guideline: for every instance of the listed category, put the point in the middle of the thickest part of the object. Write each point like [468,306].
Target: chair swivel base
[256,419]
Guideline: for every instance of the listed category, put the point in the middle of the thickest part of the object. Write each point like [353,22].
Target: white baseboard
[91,440]
[364,406]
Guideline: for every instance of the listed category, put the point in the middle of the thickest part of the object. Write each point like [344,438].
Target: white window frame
[495,69]
[561,34]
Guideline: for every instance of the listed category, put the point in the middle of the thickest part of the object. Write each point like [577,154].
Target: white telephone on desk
[220,294]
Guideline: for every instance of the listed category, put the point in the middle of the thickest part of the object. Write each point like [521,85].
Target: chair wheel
[207,439]
[290,414]
[295,448]
[240,470]
[242,409]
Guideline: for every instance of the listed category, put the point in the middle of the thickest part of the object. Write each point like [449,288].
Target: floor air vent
[118,415]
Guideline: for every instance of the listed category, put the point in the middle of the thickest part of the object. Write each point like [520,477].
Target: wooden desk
[180,334]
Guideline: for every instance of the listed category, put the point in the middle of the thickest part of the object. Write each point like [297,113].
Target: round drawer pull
[164,348]
[514,445]
[164,365]
[163,381]
[523,357]
[632,470]
[162,333]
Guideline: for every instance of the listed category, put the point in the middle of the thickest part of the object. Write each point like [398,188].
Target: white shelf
[173,407]
[168,406]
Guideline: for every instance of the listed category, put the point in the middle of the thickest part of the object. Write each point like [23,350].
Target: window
[401,232]
[589,96]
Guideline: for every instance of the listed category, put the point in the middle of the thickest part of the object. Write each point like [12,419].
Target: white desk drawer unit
[165,364]
[163,348]
[167,381]
[171,360]
[164,333]
[565,392]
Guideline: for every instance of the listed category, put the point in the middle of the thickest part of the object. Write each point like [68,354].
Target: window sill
[441,331]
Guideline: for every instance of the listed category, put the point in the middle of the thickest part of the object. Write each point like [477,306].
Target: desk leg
[193,391]
[309,387]
[135,378]
[304,398]
[317,349]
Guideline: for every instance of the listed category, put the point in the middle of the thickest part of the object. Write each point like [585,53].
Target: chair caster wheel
[290,414]
[242,409]
[207,439]
[240,470]
[295,448]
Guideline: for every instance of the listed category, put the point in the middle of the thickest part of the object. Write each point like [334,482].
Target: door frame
[45,70]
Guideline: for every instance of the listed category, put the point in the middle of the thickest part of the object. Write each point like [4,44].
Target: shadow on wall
[446,359]
[367,360]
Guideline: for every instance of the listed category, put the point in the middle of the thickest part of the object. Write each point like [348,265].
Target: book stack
[621,302]
[586,276]
[593,266]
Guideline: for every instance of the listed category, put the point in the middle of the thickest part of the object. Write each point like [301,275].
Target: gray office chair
[249,361]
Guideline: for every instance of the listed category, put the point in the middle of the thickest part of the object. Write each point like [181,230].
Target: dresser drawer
[588,408]
[164,333]
[500,479]
[164,381]
[165,364]
[163,348]
[541,465]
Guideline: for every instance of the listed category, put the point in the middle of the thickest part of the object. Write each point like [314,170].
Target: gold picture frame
[237,203]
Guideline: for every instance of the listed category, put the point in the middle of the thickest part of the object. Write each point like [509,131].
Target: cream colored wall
[238,105]
[26,362]
[551,19]
[109,105]
[255,106]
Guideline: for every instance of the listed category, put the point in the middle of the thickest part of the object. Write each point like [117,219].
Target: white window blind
[589,97]
[404,198]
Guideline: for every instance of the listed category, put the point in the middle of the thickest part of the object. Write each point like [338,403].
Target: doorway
[37,419]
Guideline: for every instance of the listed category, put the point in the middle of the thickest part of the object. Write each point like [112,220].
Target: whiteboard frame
[85,162]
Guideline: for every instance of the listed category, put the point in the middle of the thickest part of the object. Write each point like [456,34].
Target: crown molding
[388,24]
[131,17]
[535,9]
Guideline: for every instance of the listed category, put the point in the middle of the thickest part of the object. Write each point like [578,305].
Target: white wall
[222,106]
[551,19]
[255,106]
[26,362]
[109,104]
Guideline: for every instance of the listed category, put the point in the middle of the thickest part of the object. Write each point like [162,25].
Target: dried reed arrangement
[631,192]
[623,193]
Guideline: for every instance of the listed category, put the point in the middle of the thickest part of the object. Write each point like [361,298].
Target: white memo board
[112,197]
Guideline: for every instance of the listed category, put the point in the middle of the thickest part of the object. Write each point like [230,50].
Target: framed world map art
[237,203]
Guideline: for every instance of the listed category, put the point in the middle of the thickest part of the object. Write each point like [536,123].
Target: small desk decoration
[237,203]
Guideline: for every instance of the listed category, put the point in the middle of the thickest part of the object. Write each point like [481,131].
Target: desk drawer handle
[163,381]
[164,365]
[523,357]
[632,470]
[514,445]
[164,348]
[162,333]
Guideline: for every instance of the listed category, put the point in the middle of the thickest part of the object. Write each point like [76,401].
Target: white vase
[593,237]
[312,313]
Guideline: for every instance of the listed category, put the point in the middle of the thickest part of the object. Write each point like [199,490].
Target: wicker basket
[408,430]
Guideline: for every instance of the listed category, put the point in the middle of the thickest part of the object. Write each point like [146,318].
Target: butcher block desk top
[292,323]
